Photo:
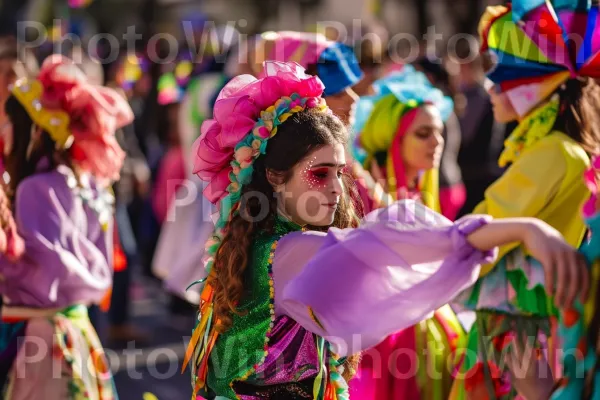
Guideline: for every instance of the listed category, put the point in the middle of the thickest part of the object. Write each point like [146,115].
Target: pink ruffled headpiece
[240,105]
[95,113]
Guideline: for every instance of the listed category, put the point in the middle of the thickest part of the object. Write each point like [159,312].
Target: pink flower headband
[246,114]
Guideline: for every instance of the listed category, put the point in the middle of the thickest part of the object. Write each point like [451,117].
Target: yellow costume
[544,182]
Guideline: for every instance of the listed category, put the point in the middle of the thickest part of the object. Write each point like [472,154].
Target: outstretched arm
[391,273]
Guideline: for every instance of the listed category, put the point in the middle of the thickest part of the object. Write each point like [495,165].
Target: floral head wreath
[247,113]
[77,115]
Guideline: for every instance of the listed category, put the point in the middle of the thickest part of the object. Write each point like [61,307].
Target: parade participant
[285,294]
[399,134]
[62,156]
[579,326]
[577,331]
[545,82]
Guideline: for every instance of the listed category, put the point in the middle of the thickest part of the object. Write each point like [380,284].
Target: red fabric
[119,258]
[452,199]
[171,175]
[396,151]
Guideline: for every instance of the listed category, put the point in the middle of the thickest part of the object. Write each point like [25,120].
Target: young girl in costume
[287,300]
[62,155]
[400,137]
[543,81]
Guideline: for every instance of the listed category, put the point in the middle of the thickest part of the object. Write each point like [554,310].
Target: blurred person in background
[371,51]
[124,74]
[370,44]
[187,223]
[400,131]
[482,136]
[62,157]
[171,168]
[452,189]
[15,64]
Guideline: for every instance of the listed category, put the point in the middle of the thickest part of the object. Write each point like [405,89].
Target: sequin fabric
[259,356]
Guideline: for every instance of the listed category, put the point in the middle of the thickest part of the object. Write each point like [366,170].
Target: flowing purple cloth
[364,284]
[68,254]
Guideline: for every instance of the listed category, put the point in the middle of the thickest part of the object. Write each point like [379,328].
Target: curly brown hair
[296,139]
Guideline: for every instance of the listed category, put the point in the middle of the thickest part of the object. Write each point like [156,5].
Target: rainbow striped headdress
[537,45]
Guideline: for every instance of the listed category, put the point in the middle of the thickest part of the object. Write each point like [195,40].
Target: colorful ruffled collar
[538,124]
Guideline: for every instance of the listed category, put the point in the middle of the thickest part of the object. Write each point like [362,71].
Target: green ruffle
[533,302]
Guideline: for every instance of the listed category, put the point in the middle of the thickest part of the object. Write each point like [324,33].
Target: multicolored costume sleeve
[527,43]
[578,330]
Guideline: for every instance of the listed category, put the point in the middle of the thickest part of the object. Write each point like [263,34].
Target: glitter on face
[314,178]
